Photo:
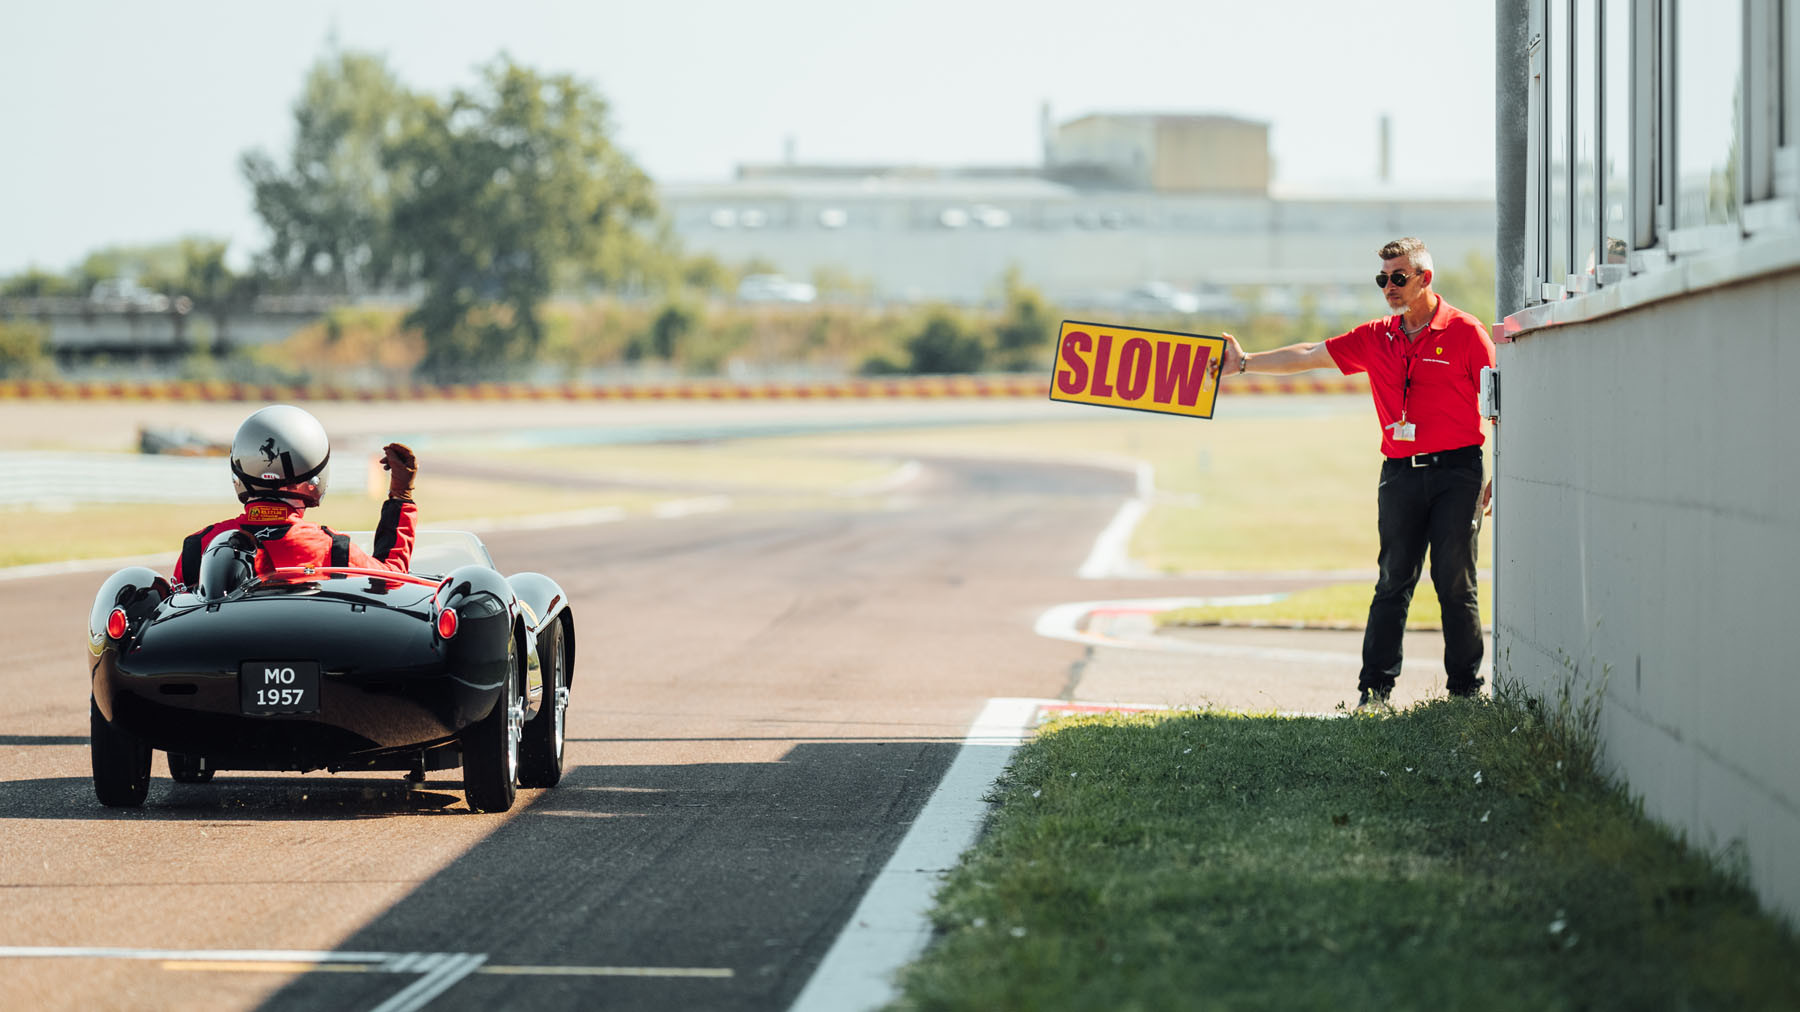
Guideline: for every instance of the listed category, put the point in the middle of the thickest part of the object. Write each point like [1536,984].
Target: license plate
[279,687]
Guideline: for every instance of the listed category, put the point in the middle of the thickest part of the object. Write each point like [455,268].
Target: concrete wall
[74,327]
[1648,537]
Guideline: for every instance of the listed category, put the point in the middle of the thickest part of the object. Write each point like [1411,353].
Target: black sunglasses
[1400,278]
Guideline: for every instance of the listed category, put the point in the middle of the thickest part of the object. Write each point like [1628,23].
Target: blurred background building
[1146,208]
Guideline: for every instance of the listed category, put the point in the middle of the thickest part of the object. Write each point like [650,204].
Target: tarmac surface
[763,704]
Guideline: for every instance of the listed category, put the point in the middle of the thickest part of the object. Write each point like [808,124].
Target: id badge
[1404,431]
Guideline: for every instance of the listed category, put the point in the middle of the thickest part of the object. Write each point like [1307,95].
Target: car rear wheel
[121,762]
[490,746]
[190,769]
[541,750]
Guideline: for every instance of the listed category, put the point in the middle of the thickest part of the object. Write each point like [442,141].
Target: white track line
[448,968]
[892,924]
[1110,558]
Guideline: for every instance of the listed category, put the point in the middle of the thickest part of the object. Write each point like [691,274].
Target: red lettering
[1073,380]
[1174,376]
[1102,362]
[1134,368]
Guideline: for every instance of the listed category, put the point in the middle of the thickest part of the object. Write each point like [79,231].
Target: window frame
[1767,183]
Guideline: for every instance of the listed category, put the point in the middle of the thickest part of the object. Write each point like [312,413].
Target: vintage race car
[329,668]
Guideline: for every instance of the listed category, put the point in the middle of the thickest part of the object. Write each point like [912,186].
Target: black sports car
[332,668]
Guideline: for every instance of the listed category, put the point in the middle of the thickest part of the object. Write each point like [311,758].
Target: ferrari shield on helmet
[281,452]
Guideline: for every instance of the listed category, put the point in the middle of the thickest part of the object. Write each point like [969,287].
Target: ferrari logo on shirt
[1440,350]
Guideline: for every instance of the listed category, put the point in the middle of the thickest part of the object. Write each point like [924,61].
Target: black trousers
[1436,507]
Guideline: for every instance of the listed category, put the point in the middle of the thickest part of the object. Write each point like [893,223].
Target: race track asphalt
[762,703]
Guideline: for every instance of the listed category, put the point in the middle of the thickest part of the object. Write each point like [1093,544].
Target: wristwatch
[1243,363]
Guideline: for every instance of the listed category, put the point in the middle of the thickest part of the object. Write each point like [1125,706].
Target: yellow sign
[1128,367]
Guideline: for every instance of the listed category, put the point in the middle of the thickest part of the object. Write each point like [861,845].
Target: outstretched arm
[1290,359]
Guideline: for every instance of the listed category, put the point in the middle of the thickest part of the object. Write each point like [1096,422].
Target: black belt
[1461,454]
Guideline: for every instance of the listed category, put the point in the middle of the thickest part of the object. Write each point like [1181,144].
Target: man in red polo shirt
[1424,365]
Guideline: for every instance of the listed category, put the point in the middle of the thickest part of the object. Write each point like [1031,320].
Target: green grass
[1341,605]
[1455,856]
[1268,485]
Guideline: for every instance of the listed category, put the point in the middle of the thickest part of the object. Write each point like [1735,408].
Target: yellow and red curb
[700,390]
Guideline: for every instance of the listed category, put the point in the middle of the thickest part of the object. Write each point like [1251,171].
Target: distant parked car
[124,293]
[1161,297]
[774,288]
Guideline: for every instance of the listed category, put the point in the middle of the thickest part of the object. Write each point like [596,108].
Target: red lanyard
[1408,353]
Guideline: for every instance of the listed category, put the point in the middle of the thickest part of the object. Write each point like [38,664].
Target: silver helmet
[281,452]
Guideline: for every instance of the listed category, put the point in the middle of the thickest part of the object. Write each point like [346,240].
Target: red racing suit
[287,540]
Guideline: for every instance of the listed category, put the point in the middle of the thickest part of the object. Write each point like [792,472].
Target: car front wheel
[121,762]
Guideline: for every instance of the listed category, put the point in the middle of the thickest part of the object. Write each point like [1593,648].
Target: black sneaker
[1374,701]
[1469,691]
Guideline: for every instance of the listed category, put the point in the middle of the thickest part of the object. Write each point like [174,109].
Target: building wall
[1073,245]
[1218,155]
[1123,144]
[1171,153]
[1647,502]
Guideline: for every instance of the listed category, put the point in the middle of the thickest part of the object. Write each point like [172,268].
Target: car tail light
[446,623]
[116,624]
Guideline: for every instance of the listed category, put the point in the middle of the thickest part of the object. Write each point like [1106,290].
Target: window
[1658,130]
[1709,114]
[1585,153]
[1615,131]
[1556,76]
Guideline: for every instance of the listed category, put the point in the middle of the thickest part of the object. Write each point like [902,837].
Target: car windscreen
[436,552]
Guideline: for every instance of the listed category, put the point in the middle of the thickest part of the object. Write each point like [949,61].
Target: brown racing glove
[402,468]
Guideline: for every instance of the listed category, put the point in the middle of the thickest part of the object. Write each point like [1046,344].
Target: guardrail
[698,390]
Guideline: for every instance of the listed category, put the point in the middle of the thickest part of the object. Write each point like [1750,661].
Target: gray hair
[1413,249]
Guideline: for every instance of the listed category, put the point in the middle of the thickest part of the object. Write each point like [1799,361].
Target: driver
[280,464]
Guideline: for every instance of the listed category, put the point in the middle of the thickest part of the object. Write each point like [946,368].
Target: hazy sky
[123,122]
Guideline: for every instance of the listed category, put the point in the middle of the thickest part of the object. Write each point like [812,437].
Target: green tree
[24,350]
[946,344]
[707,273]
[35,283]
[1470,286]
[670,329]
[499,189]
[1025,335]
[329,209]
[150,264]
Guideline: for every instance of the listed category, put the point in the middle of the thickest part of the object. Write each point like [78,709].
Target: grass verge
[1456,855]
[1341,605]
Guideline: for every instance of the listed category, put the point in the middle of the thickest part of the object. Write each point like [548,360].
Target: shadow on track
[250,799]
[746,867]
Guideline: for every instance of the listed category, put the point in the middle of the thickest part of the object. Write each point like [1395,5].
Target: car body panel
[390,688]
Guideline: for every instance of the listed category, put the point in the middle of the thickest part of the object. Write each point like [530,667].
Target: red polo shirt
[1444,362]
